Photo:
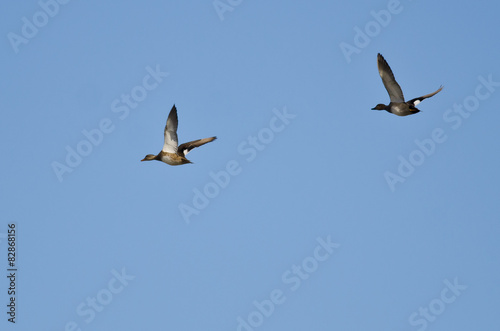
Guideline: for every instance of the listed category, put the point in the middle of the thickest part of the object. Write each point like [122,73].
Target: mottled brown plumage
[397,106]
[171,153]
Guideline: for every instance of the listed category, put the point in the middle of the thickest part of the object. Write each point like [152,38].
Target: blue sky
[309,212]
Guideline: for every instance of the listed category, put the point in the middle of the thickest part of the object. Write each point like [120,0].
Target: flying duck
[171,153]
[397,106]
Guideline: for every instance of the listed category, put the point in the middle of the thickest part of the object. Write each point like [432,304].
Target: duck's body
[173,159]
[171,153]
[397,106]
[168,158]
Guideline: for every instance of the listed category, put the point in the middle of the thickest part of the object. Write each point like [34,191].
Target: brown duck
[171,153]
[397,106]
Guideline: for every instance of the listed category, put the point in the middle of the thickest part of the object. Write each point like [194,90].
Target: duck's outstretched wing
[170,145]
[187,147]
[392,87]
[416,101]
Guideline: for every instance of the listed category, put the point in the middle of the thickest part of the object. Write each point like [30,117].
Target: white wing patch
[170,145]
[416,102]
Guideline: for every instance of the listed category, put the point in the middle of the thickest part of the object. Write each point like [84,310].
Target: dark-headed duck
[397,106]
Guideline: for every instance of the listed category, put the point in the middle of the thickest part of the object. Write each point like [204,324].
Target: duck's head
[380,106]
[149,157]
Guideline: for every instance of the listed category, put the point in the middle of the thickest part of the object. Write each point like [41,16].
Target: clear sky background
[328,216]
